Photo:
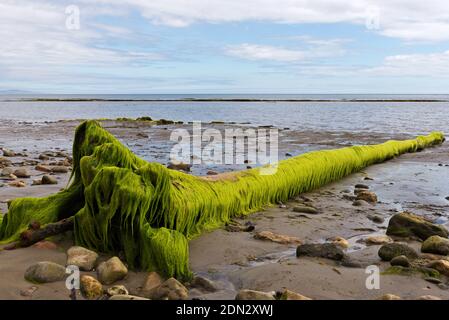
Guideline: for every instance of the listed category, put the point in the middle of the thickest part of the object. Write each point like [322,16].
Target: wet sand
[415,182]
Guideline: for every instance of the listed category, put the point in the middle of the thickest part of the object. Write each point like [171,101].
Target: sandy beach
[236,260]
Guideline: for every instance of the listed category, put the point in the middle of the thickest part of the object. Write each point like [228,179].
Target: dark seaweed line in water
[149,212]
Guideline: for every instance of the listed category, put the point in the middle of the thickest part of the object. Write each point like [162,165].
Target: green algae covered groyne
[122,203]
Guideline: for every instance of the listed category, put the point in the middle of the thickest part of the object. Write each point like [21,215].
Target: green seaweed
[122,203]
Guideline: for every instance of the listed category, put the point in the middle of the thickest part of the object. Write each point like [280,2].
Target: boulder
[254,295]
[436,244]
[321,250]
[171,289]
[407,224]
[90,287]
[368,196]
[400,261]
[44,272]
[278,238]
[111,271]
[391,250]
[46,179]
[81,257]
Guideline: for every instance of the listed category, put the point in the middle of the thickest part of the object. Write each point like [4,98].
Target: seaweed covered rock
[392,250]
[436,244]
[406,224]
[121,203]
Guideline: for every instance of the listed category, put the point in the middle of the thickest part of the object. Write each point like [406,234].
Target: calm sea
[339,113]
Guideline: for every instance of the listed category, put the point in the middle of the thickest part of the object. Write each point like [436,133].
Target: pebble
[42,168]
[339,241]
[28,292]
[117,290]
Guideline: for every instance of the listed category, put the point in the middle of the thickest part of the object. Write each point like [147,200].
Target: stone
[389,296]
[359,203]
[44,244]
[436,244]
[22,173]
[116,290]
[433,280]
[59,169]
[17,184]
[361,186]
[36,182]
[81,257]
[111,271]
[6,172]
[291,295]
[170,289]
[42,168]
[203,284]
[349,197]
[49,180]
[90,287]
[339,241]
[400,261]
[44,272]
[126,297]
[407,225]
[211,173]
[245,294]
[368,196]
[321,250]
[442,266]
[278,238]
[376,240]
[152,281]
[179,166]
[305,209]
[391,250]
[8,153]
[376,219]
[429,297]
[28,292]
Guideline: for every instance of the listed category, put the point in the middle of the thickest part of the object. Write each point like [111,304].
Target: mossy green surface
[123,203]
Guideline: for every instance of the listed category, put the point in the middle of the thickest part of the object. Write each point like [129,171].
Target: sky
[224,46]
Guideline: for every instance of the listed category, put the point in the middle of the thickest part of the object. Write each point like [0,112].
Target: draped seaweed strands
[123,203]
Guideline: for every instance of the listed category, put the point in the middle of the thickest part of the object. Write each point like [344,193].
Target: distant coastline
[219,100]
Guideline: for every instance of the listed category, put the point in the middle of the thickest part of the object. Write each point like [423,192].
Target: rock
[43,272]
[17,184]
[36,182]
[368,196]
[288,154]
[278,238]
[349,197]
[391,250]
[179,166]
[376,218]
[59,169]
[290,295]
[8,153]
[116,290]
[376,240]
[152,281]
[361,186]
[126,297]
[254,295]
[44,157]
[81,257]
[49,180]
[429,297]
[5,162]
[442,266]
[407,224]
[204,284]
[322,250]
[22,173]
[234,226]
[171,289]
[111,271]
[42,168]
[400,261]
[305,209]
[359,203]
[44,244]
[28,292]
[7,172]
[431,256]
[433,280]
[436,244]
[339,241]
[389,296]
[211,173]
[90,287]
